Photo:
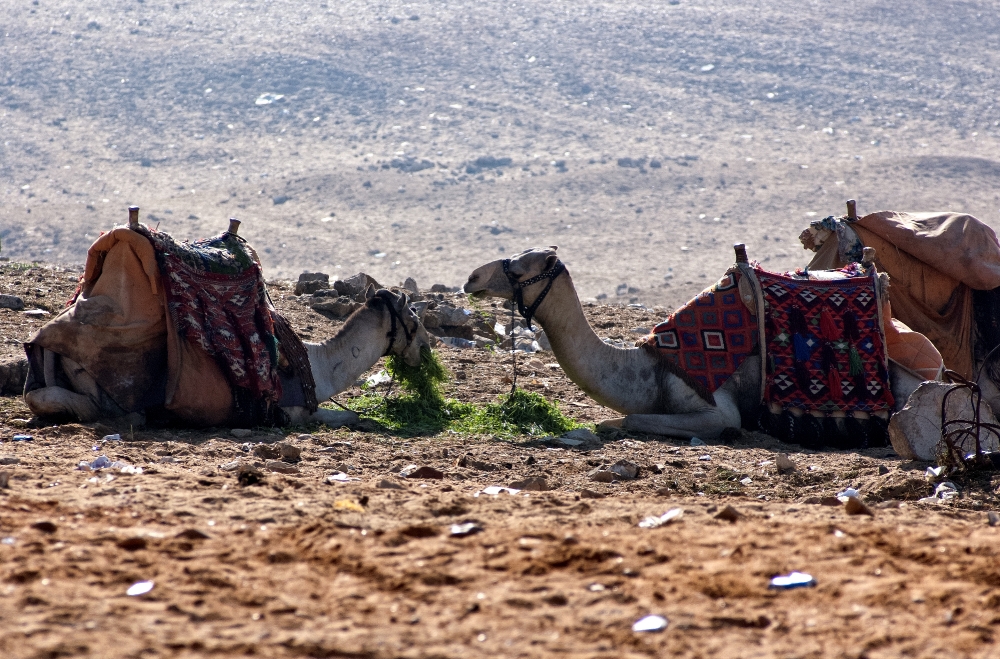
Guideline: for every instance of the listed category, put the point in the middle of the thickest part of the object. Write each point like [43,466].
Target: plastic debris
[9,540]
[933,472]
[23,438]
[104,462]
[672,515]
[793,580]
[697,441]
[650,624]
[382,377]
[463,530]
[139,588]
[494,490]
[746,481]
[847,494]
[945,491]
[339,477]
[112,438]
[705,458]
[456,342]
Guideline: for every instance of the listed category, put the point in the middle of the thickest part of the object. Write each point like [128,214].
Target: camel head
[490,280]
[411,337]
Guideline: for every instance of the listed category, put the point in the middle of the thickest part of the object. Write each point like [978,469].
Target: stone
[10,460]
[784,464]
[340,307]
[4,480]
[247,474]
[425,472]
[240,433]
[591,494]
[625,470]
[915,431]
[192,534]
[11,302]
[601,476]
[532,484]
[411,285]
[13,373]
[992,518]
[856,506]
[729,514]
[310,282]
[440,288]
[356,285]
[581,435]
[386,484]
[447,315]
[472,463]
[280,467]
[280,451]
[44,527]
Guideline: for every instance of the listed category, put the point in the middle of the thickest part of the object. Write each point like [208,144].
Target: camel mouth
[477,295]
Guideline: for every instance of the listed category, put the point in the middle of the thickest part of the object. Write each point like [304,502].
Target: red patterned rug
[824,343]
[710,336]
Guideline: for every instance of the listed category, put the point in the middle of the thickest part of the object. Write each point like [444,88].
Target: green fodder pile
[422,408]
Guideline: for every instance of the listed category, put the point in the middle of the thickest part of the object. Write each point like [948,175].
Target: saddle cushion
[826,350]
[710,336]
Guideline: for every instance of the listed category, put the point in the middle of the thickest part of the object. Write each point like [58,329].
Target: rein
[557,269]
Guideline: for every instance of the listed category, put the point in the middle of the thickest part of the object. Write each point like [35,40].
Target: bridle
[557,269]
[396,320]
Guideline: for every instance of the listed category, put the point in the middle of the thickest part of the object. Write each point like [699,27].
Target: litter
[793,580]
[945,491]
[267,99]
[339,477]
[22,438]
[705,458]
[104,462]
[650,624]
[455,342]
[494,490]
[668,517]
[933,472]
[462,530]
[848,493]
[112,438]
[746,481]
[9,540]
[382,377]
[139,588]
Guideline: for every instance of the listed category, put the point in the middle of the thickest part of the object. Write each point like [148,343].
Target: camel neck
[338,362]
[622,379]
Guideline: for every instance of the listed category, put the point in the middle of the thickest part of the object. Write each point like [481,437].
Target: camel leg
[59,402]
[706,424]
[300,416]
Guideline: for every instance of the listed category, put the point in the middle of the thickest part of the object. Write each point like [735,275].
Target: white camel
[385,325]
[632,381]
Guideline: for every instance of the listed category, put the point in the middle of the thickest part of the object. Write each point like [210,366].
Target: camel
[632,381]
[385,325]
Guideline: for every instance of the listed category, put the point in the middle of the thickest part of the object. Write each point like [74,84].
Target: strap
[394,316]
[557,269]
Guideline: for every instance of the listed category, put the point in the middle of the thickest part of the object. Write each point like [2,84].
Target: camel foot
[611,424]
[61,403]
[333,418]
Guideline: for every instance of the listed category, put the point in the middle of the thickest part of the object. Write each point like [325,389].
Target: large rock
[310,282]
[355,286]
[11,302]
[915,431]
[13,373]
[340,307]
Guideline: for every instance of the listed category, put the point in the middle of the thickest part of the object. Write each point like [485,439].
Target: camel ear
[369,292]
[553,247]
[420,308]
[550,261]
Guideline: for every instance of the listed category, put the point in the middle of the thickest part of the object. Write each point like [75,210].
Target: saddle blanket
[710,336]
[217,301]
[825,347]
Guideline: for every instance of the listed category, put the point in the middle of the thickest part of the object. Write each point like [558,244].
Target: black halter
[557,269]
[394,316]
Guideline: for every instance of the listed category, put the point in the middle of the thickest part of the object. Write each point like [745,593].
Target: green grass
[423,410]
